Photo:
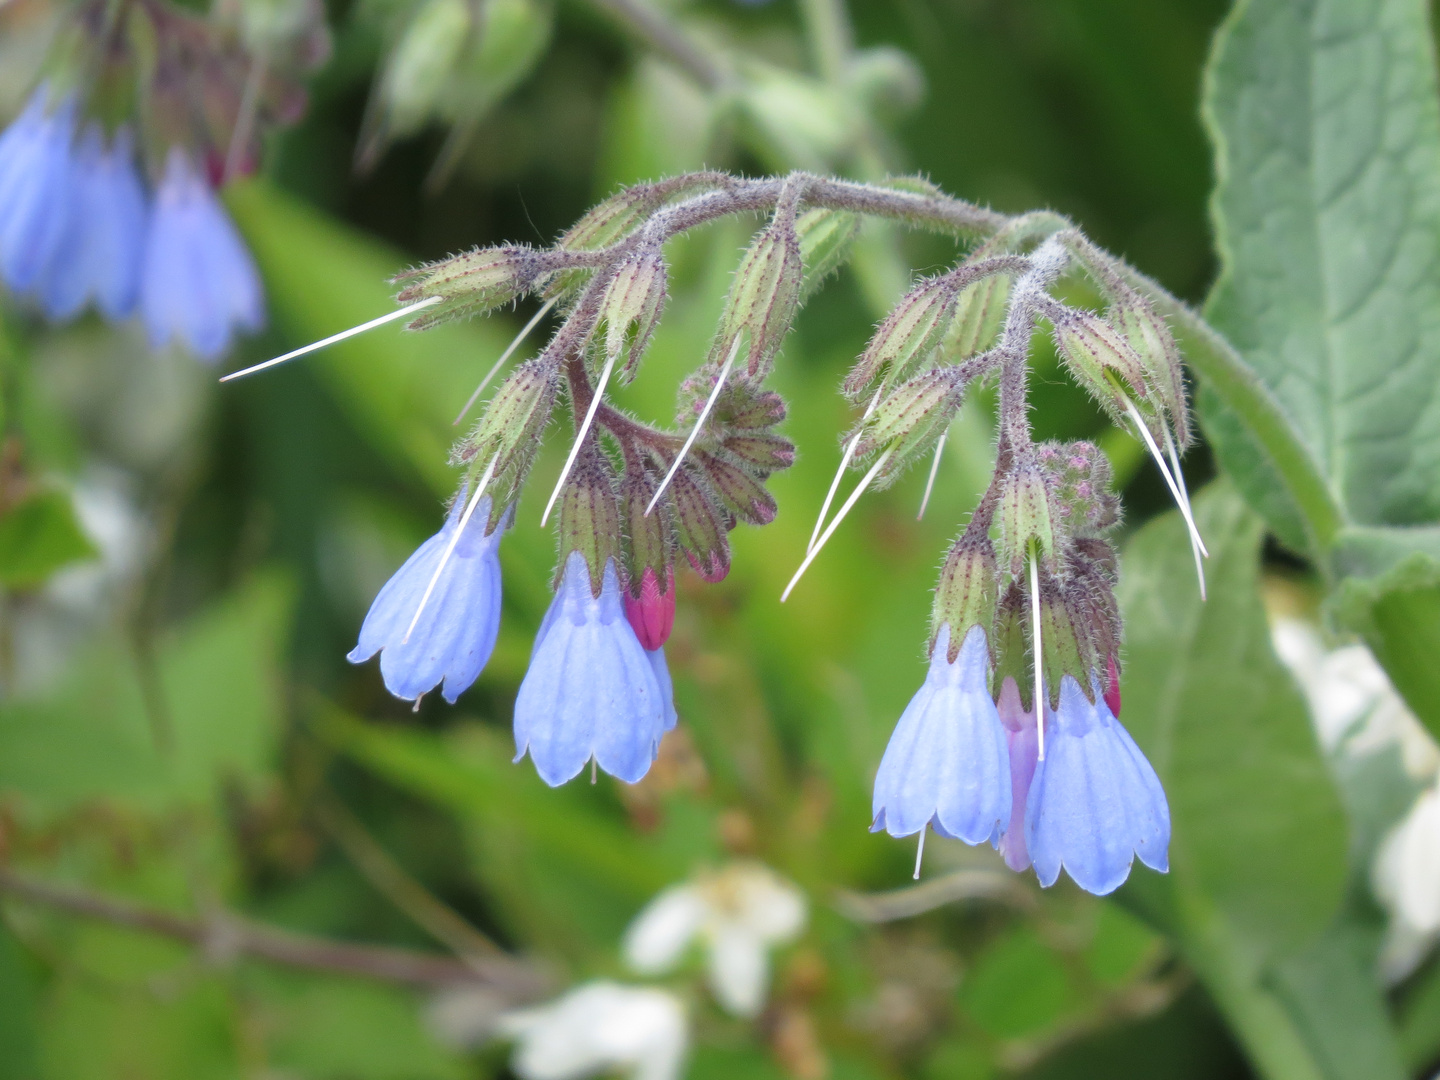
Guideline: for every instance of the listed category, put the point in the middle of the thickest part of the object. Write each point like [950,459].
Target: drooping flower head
[1094,803]
[198,284]
[100,254]
[453,637]
[36,176]
[591,690]
[947,764]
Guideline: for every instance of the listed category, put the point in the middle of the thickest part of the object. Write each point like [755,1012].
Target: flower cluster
[82,224]
[1014,738]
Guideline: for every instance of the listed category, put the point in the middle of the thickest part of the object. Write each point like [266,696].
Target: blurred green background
[180,727]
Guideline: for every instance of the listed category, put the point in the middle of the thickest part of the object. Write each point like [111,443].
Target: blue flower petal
[99,257]
[455,635]
[667,688]
[1094,802]
[947,763]
[198,283]
[591,690]
[35,179]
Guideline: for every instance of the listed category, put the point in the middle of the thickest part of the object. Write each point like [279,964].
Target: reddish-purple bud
[652,616]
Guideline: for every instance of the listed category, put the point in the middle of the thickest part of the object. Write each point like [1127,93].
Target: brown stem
[225,935]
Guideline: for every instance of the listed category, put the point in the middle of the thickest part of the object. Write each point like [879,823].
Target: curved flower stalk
[738,914]
[600,1028]
[435,621]
[1025,606]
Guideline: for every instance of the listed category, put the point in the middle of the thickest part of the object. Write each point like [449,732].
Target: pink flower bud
[652,616]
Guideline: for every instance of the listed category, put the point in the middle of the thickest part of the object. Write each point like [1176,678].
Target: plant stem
[224,935]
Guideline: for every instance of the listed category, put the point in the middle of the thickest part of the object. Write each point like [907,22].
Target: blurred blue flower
[591,691]
[947,764]
[103,242]
[199,283]
[35,180]
[455,635]
[1094,802]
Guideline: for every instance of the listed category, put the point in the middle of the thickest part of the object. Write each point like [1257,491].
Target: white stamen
[934,468]
[593,774]
[695,431]
[1180,500]
[1195,548]
[399,313]
[1039,670]
[545,310]
[580,437]
[920,850]
[450,547]
[844,464]
[839,517]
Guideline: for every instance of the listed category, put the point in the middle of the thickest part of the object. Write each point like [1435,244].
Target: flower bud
[979,315]
[699,526]
[910,421]
[1091,348]
[422,63]
[1010,643]
[739,492]
[762,451]
[908,334]
[1068,647]
[966,594]
[511,427]
[1090,570]
[590,513]
[1080,483]
[826,237]
[1026,514]
[471,284]
[763,298]
[612,220]
[741,404]
[1150,338]
[650,591]
[632,304]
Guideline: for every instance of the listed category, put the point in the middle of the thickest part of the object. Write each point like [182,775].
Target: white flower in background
[1357,712]
[738,914]
[600,1027]
[1406,878]
[1355,709]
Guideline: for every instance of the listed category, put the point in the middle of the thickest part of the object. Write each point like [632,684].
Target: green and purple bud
[590,514]
[906,336]
[473,283]
[967,592]
[764,297]
[633,303]
[510,430]
[910,421]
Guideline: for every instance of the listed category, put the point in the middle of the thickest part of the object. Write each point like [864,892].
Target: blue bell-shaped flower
[947,764]
[1094,803]
[455,634]
[592,690]
[36,173]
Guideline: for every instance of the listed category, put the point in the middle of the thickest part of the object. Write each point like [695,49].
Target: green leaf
[1326,123]
[1017,986]
[561,863]
[154,736]
[1330,989]
[1258,825]
[1258,858]
[19,993]
[38,536]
